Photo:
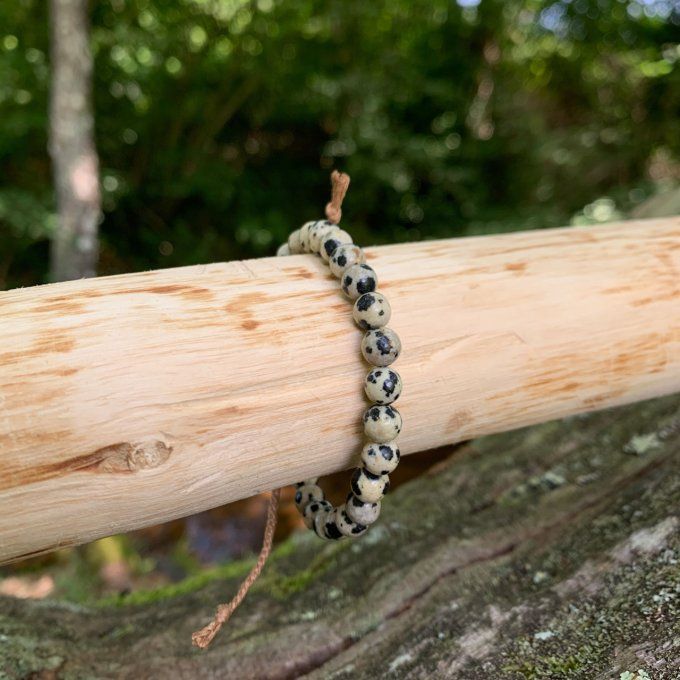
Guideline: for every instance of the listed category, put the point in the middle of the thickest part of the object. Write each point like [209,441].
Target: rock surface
[549,552]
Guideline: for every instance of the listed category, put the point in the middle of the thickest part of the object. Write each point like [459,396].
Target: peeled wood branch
[135,399]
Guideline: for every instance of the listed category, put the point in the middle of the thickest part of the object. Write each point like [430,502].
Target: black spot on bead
[354,483]
[342,260]
[388,386]
[298,497]
[370,475]
[358,528]
[383,344]
[330,245]
[365,301]
[332,531]
[386,452]
[366,285]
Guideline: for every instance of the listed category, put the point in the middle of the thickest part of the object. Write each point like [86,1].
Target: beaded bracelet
[382,422]
[380,347]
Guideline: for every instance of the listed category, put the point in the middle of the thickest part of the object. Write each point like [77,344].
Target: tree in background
[75,248]
[218,121]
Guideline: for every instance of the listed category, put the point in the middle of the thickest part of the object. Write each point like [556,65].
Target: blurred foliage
[219,120]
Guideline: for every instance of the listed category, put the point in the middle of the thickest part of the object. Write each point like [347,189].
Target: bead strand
[382,422]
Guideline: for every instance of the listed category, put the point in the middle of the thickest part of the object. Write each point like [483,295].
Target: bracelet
[382,422]
[380,347]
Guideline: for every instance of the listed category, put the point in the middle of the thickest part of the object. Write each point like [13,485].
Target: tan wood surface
[131,400]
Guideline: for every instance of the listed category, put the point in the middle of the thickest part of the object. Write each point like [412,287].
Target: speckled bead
[344,257]
[294,242]
[344,524]
[330,240]
[382,385]
[316,231]
[312,510]
[360,512]
[359,279]
[304,236]
[319,522]
[368,487]
[371,311]
[382,424]
[306,494]
[380,459]
[380,347]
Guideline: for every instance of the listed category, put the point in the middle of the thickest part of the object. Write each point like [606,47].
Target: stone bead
[382,424]
[319,522]
[306,494]
[368,487]
[382,385]
[304,236]
[346,526]
[294,242]
[311,480]
[330,240]
[316,231]
[331,530]
[358,280]
[360,512]
[380,459]
[371,311]
[344,257]
[380,347]
[283,250]
[312,510]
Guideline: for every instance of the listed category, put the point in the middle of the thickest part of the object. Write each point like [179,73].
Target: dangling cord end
[339,186]
[202,638]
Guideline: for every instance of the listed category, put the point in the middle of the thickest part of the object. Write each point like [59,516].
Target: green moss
[188,585]
[551,667]
[281,587]
[199,580]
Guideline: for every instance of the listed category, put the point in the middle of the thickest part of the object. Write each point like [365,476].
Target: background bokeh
[218,122]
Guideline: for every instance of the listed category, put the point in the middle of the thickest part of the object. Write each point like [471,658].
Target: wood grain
[131,400]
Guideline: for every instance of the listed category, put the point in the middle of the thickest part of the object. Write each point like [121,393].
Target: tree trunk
[548,552]
[75,164]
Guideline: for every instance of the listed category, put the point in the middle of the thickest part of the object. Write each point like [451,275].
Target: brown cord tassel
[202,638]
[339,186]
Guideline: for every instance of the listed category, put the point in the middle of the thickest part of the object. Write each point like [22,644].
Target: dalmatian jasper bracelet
[380,347]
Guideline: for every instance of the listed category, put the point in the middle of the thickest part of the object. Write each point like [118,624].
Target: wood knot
[132,457]
[146,455]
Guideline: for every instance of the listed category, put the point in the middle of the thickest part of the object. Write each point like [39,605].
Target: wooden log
[546,553]
[135,399]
